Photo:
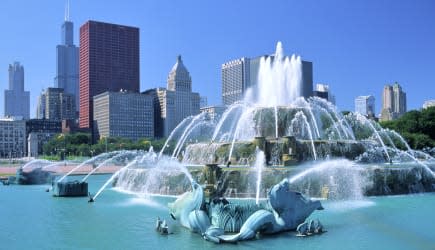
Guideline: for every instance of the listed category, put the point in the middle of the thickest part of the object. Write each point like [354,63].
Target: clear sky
[356,46]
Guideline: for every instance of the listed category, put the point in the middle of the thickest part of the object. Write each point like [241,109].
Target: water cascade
[259,165]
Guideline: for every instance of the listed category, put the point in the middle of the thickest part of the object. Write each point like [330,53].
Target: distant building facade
[323,91]
[123,114]
[17,101]
[241,74]
[365,105]
[108,61]
[67,63]
[429,103]
[55,104]
[214,112]
[40,106]
[393,102]
[39,132]
[203,101]
[12,138]
[176,102]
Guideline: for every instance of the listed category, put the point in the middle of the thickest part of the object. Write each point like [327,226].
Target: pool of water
[32,219]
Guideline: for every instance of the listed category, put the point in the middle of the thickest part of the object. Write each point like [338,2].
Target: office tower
[365,105]
[58,104]
[176,102]
[393,102]
[109,61]
[55,104]
[40,106]
[203,101]
[241,74]
[323,91]
[123,114]
[12,138]
[235,80]
[67,62]
[17,101]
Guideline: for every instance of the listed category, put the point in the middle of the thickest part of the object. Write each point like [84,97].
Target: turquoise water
[32,219]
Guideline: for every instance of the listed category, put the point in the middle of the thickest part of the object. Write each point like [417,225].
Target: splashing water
[260,160]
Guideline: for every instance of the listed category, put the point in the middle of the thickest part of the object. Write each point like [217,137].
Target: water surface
[32,219]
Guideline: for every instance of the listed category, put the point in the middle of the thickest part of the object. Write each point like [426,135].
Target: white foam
[341,206]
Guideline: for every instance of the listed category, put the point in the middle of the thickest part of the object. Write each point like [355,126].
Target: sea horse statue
[284,211]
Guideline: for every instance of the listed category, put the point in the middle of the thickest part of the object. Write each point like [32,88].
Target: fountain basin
[333,179]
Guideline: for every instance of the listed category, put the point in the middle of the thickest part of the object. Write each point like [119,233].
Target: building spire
[67,11]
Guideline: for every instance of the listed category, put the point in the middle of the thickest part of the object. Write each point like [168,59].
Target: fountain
[296,135]
[297,148]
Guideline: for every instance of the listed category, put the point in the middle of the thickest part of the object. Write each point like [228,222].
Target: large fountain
[324,153]
[274,148]
[274,139]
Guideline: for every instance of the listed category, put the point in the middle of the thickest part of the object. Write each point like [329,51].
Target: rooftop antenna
[67,11]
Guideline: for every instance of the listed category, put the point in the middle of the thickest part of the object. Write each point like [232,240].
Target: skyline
[355,48]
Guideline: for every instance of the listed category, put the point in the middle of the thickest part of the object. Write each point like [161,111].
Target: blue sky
[356,46]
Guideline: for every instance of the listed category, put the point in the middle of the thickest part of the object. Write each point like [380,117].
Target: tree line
[80,144]
[416,127]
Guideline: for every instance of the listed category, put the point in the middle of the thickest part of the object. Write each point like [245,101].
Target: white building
[17,101]
[123,114]
[176,102]
[365,105]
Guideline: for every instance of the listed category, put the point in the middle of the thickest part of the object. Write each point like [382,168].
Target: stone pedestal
[260,142]
[288,160]
[71,189]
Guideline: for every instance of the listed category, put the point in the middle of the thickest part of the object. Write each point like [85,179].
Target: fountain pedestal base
[71,189]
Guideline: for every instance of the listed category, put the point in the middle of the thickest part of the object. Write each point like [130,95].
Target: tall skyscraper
[109,61]
[67,61]
[393,102]
[241,74]
[365,105]
[17,101]
[176,102]
[235,80]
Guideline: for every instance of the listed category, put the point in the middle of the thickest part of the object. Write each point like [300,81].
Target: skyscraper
[393,102]
[17,101]
[109,61]
[365,105]
[176,102]
[67,61]
[55,104]
[59,105]
[241,74]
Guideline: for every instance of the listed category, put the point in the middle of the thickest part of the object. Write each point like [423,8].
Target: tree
[417,127]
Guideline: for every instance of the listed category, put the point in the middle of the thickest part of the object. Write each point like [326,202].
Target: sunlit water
[33,219]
